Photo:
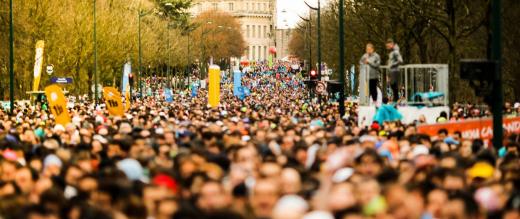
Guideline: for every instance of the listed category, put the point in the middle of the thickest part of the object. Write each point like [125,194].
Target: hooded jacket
[374,61]
[395,59]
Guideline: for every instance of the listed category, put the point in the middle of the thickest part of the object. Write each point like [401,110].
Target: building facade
[257,19]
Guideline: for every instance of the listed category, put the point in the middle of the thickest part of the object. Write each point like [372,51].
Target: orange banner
[472,129]
[113,101]
[57,104]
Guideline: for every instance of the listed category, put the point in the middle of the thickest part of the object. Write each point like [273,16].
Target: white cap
[318,215]
[419,150]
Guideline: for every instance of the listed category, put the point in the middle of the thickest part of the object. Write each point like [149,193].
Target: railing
[413,79]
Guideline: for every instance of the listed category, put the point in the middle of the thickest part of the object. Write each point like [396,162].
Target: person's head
[341,196]
[264,197]
[459,206]
[213,197]
[369,163]
[370,48]
[291,181]
[25,179]
[390,44]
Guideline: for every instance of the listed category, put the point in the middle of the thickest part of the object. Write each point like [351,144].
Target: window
[254,31]
[252,6]
[265,7]
[253,55]
[259,31]
[231,7]
[265,31]
[247,6]
[259,52]
[247,31]
[215,6]
[259,7]
[265,52]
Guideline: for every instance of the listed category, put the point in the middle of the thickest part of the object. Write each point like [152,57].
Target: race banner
[38,64]
[472,129]
[128,99]
[113,101]
[214,86]
[237,82]
[127,69]
[57,104]
[194,89]
[168,95]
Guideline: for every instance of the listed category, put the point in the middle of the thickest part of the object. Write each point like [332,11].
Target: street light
[318,9]
[11,57]
[139,79]
[341,60]
[95,57]
[309,36]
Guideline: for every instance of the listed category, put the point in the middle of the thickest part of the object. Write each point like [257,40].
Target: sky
[288,11]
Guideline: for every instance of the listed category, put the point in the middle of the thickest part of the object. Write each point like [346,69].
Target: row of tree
[67,27]
[428,31]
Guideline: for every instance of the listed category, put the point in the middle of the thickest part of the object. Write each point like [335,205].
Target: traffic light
[313,75]
[131,79]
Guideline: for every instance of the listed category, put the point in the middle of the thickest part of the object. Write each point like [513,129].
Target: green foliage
[428,31]
[67,28]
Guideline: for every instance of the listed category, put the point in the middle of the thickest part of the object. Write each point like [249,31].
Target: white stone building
[257,19]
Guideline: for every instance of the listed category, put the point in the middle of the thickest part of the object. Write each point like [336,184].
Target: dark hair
[390,40]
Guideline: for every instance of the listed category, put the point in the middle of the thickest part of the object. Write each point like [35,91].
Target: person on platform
[394,61]
[371,62]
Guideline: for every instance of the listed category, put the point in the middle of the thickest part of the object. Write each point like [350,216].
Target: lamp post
[139,73]
[341,59]
[496,55]
[95,57]
[203,58]
[11,57]
[318,9]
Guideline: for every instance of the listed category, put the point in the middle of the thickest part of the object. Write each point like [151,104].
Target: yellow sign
[214,86]
[128,100]
[38,64]
[113,101]
[57,104]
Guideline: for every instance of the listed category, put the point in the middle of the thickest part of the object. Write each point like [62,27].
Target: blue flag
[194,90]
[168,95]
[237,82]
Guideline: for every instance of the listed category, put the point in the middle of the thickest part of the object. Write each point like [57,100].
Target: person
[371,61]
[394,60]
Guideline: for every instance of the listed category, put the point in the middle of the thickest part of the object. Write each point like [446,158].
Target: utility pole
[496,55]
[95,58]
[139,75]
[11,57]
[341,59]
[318,9]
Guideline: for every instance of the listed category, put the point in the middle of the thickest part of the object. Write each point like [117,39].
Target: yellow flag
[38,64]
[128,100]
[57,104]
[214,86]
[113,101]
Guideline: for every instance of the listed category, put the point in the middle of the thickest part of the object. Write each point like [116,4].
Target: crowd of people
[275,154]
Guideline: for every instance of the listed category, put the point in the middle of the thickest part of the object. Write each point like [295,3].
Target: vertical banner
[214,86]
[168,95]
[352,79]
[38,64]
[113,101]
[237,82]
[194,89]
[270,61]
[57,104]
[127,69]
